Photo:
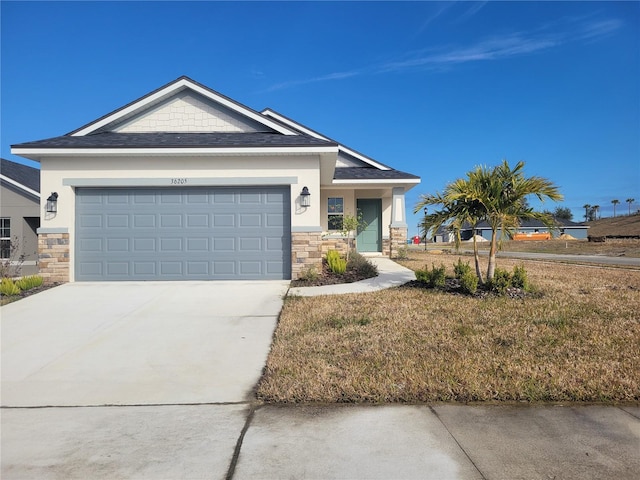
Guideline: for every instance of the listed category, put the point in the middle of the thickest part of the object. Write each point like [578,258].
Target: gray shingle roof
[177,140]
[22,174]
[371,173]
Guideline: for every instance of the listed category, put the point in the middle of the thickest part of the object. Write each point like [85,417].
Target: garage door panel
[144,268]
[144,221]
[250,220]
[197,220]
[248,244]
[182,233]
[197,244]
[117,245]
[170,221]
[224,220]
[117,199]
[169,245]
[90,221]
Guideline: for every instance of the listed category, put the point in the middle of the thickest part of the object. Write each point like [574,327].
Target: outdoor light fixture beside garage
[52,203]
[305,197]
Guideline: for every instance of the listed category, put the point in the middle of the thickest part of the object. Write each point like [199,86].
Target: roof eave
[32,153]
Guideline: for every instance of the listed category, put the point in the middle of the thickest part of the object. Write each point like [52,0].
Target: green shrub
[361,265]
[309,274]
[501,281]
[435,278]
[469,282]
[27,283]
[8,287]
[461,269]
[336,263]
[402,253]
[519,277]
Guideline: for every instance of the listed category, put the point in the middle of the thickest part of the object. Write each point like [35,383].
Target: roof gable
[149,104]
[189,112]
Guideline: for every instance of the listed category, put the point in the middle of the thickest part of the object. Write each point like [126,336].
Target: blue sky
[430,88]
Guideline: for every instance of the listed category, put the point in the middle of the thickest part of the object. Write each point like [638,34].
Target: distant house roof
[21,176]
[561,223]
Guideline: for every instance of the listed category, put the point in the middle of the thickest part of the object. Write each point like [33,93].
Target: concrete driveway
[138,343]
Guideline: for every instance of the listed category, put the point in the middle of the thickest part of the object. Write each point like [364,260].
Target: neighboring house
[531,228]
[19,216]
[187,184]
[443,235]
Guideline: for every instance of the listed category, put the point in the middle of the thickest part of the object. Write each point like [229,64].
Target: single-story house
[185,183]
[19,217]
[531,228]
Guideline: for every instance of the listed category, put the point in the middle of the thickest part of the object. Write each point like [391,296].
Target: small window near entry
[5,238]
[335,209]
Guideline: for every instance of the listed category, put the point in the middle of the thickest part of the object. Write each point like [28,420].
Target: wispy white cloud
[321,78]
[489,49]
[475,8]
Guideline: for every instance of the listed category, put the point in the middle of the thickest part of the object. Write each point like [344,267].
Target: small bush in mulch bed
[512,285]
[358,268]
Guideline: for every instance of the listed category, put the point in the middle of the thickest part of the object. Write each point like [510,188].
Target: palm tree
[615,201]
[587,208]
[457,211]
[496,195]
[630,201]
[596,210]
[501,191]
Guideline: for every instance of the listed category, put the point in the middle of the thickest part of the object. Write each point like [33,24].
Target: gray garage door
[197,233]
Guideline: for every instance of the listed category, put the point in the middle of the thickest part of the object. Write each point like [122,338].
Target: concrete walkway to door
[138,343]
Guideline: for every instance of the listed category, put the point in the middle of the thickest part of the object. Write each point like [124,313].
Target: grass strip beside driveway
[577,341]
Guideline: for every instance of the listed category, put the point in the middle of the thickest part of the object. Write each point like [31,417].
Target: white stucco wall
[60,174]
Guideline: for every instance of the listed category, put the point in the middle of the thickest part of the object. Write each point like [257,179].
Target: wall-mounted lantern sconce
[52,203]
[305,198]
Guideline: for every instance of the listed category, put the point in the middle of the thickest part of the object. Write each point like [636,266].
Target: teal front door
[369,239]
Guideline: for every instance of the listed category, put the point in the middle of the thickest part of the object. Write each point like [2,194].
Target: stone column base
[306,252]
[397,240]
[53,257]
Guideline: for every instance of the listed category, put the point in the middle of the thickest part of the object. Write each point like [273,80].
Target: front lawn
[578,339]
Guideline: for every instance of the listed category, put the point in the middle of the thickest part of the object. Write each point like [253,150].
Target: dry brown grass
[579,341]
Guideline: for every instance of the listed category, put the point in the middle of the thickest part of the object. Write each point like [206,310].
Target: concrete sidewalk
[390,274]
[249,441]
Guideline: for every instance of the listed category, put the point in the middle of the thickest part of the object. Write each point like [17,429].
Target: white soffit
[175,87]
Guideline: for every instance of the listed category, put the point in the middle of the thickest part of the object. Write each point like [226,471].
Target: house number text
[178,181]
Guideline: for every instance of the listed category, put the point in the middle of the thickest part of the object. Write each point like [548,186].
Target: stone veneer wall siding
[397,240]
[306,251]
[53,257]
[309,248]
[340,244]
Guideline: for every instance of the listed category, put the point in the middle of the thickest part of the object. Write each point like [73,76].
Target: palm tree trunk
[476,257]
[492,254]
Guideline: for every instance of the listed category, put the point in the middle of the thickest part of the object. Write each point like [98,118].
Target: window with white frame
[5,238]
[335,213]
